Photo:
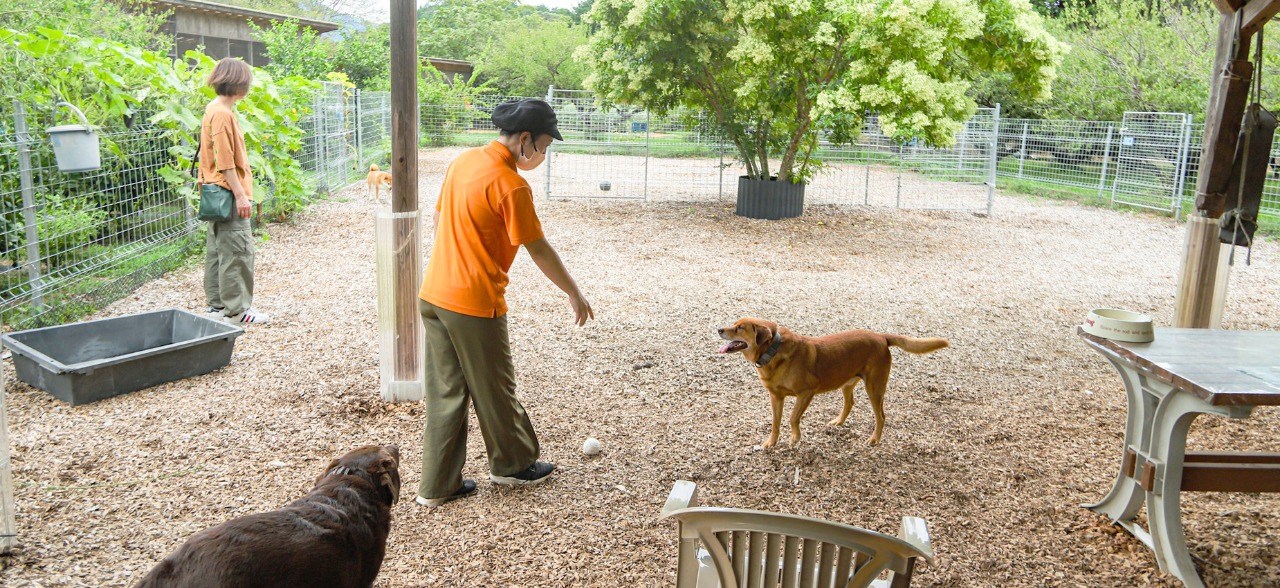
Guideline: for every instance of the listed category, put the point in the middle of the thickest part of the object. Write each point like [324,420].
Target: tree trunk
[789,157]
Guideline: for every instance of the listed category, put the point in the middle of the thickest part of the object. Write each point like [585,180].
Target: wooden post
[1228,94]
[405,256]
[404,106]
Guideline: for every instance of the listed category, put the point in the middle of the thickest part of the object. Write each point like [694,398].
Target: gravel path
[995,441]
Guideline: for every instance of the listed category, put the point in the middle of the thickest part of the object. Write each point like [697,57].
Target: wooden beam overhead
[1228,6]
[1257,14]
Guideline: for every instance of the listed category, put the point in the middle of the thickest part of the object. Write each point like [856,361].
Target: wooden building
[222,29]
[451,67]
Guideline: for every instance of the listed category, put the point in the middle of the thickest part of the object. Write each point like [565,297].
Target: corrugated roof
[261,17]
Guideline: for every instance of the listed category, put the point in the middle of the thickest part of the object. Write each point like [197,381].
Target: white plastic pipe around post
[8,523]
[398,251]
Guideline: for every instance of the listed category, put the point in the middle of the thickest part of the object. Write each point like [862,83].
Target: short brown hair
[231,77]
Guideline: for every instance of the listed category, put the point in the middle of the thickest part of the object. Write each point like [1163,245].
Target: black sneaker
[535,474]
[468,488]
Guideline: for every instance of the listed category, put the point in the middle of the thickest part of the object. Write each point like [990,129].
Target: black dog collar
[764,360]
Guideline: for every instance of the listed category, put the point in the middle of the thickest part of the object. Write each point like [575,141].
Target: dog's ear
[764,336]
[388,476]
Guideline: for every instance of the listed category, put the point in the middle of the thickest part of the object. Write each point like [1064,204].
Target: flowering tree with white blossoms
[780,74]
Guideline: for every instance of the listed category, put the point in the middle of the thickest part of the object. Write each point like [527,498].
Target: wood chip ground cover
[995,441]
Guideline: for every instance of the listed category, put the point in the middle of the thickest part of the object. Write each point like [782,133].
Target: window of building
[260,58]
[183,42]
[239,49]
[216,47]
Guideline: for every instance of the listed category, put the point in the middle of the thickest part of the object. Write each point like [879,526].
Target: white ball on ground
[591,446]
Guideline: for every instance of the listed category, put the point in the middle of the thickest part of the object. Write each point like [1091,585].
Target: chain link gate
[1151,160]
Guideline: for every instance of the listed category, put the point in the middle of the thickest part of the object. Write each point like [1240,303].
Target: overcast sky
[378,9]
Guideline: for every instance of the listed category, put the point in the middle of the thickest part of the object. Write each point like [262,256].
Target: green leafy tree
[525,60]
[447,107]
[1128,56]
[294,50]
[126,21]
[777,75]
[366,58]
[462,29]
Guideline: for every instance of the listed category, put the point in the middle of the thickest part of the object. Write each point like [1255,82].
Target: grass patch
[81,296]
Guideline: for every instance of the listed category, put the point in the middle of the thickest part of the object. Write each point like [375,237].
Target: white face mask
[530,159]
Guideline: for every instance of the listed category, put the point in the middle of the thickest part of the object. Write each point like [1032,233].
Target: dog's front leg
[775,401]
[802,403]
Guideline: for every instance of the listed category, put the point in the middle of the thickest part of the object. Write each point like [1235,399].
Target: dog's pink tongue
[726,347]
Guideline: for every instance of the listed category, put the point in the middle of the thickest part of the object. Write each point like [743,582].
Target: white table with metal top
[1168,382]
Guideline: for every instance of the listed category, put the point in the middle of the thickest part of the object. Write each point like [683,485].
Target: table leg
[1172,420]
[1126,496]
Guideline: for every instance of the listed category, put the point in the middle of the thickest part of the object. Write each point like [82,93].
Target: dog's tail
[916,345]
[373,167]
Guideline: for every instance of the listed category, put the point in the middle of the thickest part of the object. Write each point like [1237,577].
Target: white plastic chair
[726,547]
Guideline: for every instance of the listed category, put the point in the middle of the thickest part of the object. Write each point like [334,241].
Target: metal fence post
[866,180]
[1181,168]
[647,120]
[28,205]
[1106,158]
[897,203]
[993,159]
[548,162]
[358,121]
[1022,153]
[1115,179]
[322,163]
[720,144]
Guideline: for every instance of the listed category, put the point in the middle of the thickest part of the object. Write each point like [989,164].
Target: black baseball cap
[529,114]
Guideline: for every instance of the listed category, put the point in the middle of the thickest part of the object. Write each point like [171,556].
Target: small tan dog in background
[795,365]
[376,179]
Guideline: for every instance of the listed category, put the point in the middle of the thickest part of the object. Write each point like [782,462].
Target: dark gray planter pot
[769,199]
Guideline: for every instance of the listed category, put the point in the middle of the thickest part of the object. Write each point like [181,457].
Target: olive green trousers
[228,265]
[468,361]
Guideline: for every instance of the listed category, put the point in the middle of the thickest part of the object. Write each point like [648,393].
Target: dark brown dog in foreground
[375,181]
[334,537]
[800,366]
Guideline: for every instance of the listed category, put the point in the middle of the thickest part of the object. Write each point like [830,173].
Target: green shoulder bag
[216,203]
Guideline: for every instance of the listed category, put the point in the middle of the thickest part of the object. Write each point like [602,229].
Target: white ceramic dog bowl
[1120,325]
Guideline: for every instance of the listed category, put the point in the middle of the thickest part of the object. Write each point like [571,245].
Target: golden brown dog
[376,179]
[334,537]
[800,366]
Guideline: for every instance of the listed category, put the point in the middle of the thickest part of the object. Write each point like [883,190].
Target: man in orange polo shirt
[484,214]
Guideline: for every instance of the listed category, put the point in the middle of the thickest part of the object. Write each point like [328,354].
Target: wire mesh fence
[1150,160]
[73,242]
[69,243]
[628,153]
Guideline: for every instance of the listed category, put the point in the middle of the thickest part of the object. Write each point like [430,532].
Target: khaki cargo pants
[228,265]
[468,360]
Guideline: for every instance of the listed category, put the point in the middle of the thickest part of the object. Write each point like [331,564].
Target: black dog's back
[335,537]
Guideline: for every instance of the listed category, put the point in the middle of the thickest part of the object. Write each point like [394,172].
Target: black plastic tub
[88,361]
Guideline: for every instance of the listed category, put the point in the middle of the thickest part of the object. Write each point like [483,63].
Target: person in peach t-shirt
[484,215]
[224,162]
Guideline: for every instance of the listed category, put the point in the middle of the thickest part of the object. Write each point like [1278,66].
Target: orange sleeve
[224,156]
[516,209]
